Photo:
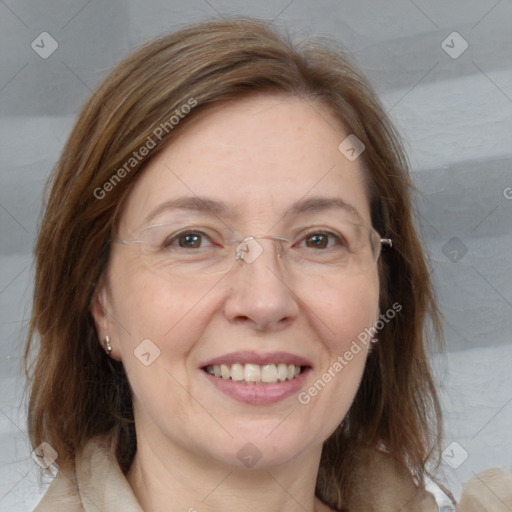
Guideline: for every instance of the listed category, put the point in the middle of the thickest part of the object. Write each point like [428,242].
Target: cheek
[147,307]
[345,309]
[342,313]
[149,317]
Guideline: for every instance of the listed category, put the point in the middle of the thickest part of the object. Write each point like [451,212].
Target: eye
[322,240]
[187,240]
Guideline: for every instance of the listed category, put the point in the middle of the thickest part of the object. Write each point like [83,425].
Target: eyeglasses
[345,248]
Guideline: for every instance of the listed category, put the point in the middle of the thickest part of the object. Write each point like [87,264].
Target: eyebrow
[192,203]
[319,204]
[220,209]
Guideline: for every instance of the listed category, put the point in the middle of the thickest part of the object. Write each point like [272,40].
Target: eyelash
[337,237]
[175,237]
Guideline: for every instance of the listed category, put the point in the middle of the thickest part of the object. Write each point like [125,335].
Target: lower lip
[258,394]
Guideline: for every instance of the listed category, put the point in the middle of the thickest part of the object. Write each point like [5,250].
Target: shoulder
[384,485]
[490,490]
[64,491]
[96,482]
[62,495]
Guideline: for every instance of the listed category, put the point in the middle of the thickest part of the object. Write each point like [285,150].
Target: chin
[257,449]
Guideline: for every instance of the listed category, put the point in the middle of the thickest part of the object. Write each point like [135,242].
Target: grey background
[455,115]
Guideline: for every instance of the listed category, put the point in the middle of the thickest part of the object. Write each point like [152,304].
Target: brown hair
[76,391]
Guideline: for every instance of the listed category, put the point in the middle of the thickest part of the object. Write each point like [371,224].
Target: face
[274,166]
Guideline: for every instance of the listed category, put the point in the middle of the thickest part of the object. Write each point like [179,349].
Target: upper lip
[248,357]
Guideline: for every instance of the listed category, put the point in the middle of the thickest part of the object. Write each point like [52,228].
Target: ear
[100,307]
[99,310]
[372,345]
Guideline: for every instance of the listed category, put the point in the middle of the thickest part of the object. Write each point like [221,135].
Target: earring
[108,345]
[374,340]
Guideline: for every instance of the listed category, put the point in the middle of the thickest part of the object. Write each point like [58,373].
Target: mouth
[252,373]
[256,378]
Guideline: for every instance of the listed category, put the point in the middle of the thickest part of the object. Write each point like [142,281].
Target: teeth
[254,373]
[237,372]
[269,373]
[282,371]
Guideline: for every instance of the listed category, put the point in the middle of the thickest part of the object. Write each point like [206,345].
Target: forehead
[258,155]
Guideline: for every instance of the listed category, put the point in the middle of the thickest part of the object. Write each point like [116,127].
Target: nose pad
[249,249]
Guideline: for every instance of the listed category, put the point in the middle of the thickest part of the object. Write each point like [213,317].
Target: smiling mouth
[254,373]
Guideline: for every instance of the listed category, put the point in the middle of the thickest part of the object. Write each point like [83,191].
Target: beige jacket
[98,484]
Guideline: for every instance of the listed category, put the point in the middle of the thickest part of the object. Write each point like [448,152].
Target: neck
[170,478]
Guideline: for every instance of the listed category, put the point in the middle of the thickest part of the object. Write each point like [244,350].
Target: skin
[258,155]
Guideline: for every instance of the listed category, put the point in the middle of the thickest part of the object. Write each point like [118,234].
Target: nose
[261,292]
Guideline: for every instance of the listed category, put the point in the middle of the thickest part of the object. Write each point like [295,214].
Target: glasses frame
[240,250]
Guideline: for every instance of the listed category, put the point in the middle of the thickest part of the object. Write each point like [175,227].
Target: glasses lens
[185,252]
[344,248]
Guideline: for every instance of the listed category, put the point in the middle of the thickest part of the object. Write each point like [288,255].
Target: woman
[231,297]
